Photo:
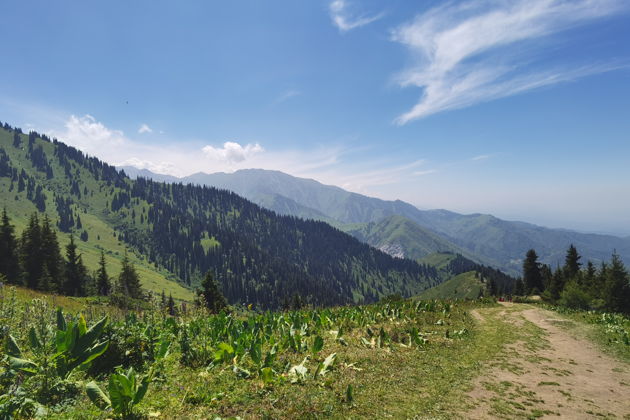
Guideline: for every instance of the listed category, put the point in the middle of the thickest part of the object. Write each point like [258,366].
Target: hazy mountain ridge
[490,239]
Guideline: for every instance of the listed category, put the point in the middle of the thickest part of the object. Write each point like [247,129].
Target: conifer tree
[30,253]
[128,280]
[9,266]
[76,272]
[211,295]
[172,311]
[51,256]
[103,284]
[616,287]
[572,264]
[531,273]
[556,285]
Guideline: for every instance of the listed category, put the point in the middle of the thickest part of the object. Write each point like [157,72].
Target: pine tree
[51,256]
[172,311]
[30,253]
[76,272]
[572,264]
[616,287]
[46,281]
[556,285]
[531,273]
[103,284]
[9,266]
[128,280]
[211,295]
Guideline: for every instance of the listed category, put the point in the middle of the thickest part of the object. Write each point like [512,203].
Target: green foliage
[74,347]
[574,297]
[125,390]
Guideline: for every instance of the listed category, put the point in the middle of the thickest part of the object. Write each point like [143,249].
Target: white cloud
[480,157]
[156,167]
[345,20]
[478,51]
[144,129]
[232,152]
[291,93]
[90,135]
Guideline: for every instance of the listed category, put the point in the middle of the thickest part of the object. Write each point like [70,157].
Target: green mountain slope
[186,230]
[91,210]
[463,286]
[491,240]
[403,238]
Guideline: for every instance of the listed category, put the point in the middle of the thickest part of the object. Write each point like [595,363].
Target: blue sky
[517,108]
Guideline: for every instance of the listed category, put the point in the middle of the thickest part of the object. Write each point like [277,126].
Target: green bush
[574,297]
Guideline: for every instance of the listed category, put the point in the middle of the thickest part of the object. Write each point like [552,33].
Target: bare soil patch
[549,374]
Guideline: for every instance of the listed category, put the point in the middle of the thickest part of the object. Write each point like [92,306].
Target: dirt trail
[549,374]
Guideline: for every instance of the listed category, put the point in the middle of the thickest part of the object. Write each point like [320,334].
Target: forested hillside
[182,231]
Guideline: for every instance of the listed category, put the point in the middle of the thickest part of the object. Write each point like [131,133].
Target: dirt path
[549,374]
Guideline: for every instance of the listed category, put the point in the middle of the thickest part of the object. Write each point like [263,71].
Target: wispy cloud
[144,129]
[480,157]
[285,96]
[472,52]
[345,20]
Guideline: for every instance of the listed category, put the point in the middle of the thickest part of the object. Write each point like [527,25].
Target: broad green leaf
[318,344]
[61,321]
[32,338]
[115,394]
[142,389]
[163,349]
[22,365]
[12,347]
[97,396]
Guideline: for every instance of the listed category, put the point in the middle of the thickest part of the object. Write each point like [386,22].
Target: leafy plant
[125,390]
[74,347]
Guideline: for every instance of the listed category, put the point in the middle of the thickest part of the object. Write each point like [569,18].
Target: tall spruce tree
[572,264]
[30,253]
[76,273]
[211,294]
[9,265]
[103,284]
[128,280]
[616,287]
[51,256]
[531,273]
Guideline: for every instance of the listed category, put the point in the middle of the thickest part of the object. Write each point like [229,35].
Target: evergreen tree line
[35,260]
[606,287]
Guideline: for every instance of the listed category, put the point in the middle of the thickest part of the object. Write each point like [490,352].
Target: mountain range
[402,229]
